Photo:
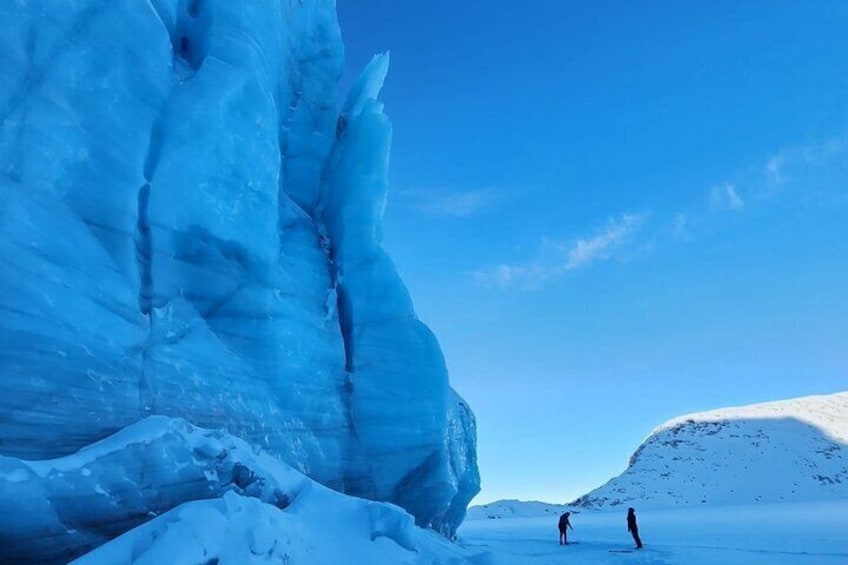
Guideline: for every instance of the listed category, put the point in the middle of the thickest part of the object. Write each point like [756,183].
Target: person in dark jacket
[633,528]
[564,524]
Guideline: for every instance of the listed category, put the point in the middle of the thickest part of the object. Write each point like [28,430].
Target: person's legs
[636,538]
[561,536]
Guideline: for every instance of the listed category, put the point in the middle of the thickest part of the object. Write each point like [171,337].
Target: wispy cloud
[528,276]
[774,169]
[457,204]
[679,228]
[725,197]
[733,199]
[814,168]
[779,167]
[601,245]
[561,258]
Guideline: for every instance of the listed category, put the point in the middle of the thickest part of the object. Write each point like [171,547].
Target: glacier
[190,227]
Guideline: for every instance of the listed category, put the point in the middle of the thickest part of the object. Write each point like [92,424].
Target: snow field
[767,534]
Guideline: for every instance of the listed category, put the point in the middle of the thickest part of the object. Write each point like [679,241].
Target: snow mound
[789,451]
[321,526]
[164,491]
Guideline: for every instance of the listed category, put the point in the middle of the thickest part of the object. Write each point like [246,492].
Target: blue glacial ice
[190,227]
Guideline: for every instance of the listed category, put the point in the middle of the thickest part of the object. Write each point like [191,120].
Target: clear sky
[613,213]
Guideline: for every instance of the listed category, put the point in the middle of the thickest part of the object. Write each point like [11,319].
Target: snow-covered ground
[766,534]
[763,484]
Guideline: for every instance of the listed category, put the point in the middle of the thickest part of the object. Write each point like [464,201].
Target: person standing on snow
[564,524]
[633,528]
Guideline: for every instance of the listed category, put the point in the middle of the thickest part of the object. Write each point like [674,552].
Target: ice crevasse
[190,227]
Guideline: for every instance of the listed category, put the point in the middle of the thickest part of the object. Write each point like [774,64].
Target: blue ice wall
[400,402]
[190,227]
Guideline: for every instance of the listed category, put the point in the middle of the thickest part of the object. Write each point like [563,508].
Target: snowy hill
[789,451]
[514,509]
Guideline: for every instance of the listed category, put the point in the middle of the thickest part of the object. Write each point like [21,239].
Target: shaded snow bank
[181,494]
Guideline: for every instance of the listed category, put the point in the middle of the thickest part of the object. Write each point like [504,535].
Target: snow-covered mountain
[190,227]
[789,451]
[514,509]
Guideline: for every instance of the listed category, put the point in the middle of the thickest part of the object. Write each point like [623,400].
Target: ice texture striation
[189,227]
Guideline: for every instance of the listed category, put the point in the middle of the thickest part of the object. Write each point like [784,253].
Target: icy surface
[766,534]
[792,450]
[190,227]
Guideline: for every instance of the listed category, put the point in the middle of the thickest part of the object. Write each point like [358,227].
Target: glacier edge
[190,228]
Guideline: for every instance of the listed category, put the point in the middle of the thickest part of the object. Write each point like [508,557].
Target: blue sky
[613,213]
